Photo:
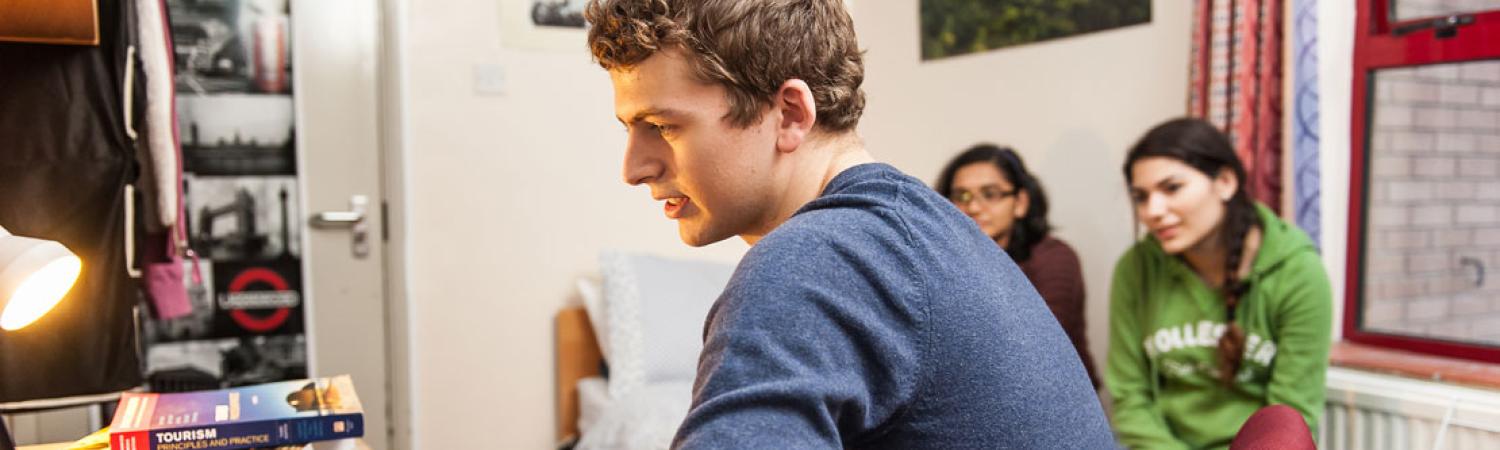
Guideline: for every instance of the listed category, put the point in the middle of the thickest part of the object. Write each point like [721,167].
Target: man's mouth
[674,206]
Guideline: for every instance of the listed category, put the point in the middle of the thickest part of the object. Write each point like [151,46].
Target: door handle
[354,220]
[1442,27]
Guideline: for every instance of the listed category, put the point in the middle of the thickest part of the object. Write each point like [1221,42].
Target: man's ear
[796,112]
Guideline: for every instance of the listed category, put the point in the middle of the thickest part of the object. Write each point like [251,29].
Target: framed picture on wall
[958,27]
[550,25]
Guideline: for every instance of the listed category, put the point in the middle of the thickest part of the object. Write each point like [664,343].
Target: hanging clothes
[158,151]
[160,154]
[66,154]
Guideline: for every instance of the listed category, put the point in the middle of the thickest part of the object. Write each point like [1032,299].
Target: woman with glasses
[1220,310]
[991,185]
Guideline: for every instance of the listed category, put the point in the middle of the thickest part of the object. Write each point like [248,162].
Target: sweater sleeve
[1138,422]
[795,363]
[1058,277]
[1304,319]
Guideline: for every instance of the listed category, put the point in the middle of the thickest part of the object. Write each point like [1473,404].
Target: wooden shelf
[74,22]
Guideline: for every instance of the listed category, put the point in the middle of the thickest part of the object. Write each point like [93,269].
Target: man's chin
[697,237]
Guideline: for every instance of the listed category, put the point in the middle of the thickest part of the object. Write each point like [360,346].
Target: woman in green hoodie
[1220,310]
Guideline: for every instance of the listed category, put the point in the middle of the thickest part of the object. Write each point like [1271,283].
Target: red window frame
[1376,47]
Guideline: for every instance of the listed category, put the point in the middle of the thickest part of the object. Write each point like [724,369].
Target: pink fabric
[1275,427]
[1235,83]
[164,281]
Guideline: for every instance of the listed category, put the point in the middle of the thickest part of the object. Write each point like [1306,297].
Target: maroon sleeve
[1057,275]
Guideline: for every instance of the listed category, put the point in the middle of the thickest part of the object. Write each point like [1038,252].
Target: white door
[335,102]
[336,67]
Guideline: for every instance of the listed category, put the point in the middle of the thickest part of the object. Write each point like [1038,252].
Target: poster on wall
[558,13]
[552,25]
[237,134]
[957,27]
[236,120]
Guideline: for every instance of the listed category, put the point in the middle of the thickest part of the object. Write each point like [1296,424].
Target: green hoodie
[1163,342]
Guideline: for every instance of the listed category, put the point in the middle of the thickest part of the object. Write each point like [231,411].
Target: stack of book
[288,413]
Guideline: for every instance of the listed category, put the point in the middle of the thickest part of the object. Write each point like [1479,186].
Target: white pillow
[592,295]
[593,402]
[656,309]
[646,419]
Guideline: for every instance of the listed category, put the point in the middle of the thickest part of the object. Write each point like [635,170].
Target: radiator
[1368,411]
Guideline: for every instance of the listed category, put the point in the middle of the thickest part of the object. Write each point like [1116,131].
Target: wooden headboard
[578,357]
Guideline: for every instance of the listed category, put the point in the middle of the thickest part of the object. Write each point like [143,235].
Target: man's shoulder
[787,278]
[824,227]
[805,244]
[821,247]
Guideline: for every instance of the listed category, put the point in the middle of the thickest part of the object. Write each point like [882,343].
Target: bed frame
[577,357]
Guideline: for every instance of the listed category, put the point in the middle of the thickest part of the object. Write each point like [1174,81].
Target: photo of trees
[957,27]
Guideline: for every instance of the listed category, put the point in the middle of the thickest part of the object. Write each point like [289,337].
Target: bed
[577,357]
[625,359]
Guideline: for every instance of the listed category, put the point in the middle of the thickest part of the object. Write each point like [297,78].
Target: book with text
[266,415]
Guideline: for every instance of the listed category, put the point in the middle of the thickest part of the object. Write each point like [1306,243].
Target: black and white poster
[237,124]
[558,13]
[546,25]
[234,46]
[237,134]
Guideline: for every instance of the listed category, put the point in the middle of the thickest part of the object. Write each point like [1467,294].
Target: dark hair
[1028,230]
[1201,146]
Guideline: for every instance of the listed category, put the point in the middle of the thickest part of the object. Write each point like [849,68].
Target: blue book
[266,415]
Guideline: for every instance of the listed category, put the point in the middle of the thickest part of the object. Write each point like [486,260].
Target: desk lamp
[34,276]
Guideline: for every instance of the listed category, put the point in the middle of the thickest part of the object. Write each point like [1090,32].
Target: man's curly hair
[751,47]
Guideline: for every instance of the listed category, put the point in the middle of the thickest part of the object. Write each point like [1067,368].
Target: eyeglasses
[990,194]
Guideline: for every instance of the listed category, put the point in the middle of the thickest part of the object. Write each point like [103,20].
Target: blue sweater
[879,316]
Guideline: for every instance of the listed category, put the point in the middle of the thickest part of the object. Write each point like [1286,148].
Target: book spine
[265,433]
[130,440]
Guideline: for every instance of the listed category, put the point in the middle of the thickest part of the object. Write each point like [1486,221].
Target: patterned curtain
[1306,171]
[1236,84]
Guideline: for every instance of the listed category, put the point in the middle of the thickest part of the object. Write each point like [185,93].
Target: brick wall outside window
[1415,9]
[1432,240]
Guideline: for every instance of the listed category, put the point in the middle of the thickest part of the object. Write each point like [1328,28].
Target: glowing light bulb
[40,292]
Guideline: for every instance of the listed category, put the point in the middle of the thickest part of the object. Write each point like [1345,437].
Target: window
[1424,228]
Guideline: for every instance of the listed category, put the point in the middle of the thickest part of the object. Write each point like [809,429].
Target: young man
[869,312]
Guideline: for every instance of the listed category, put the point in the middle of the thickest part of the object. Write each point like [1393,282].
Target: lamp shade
[34,276]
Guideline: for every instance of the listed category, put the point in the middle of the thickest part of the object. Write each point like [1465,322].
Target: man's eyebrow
[662,112]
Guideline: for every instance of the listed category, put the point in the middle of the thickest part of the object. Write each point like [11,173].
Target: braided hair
[1201,146]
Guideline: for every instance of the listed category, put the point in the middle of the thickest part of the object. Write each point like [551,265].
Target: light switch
[489,79]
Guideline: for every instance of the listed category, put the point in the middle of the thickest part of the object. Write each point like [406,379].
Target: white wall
[510,197]
[1071,107]
[1335,86]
